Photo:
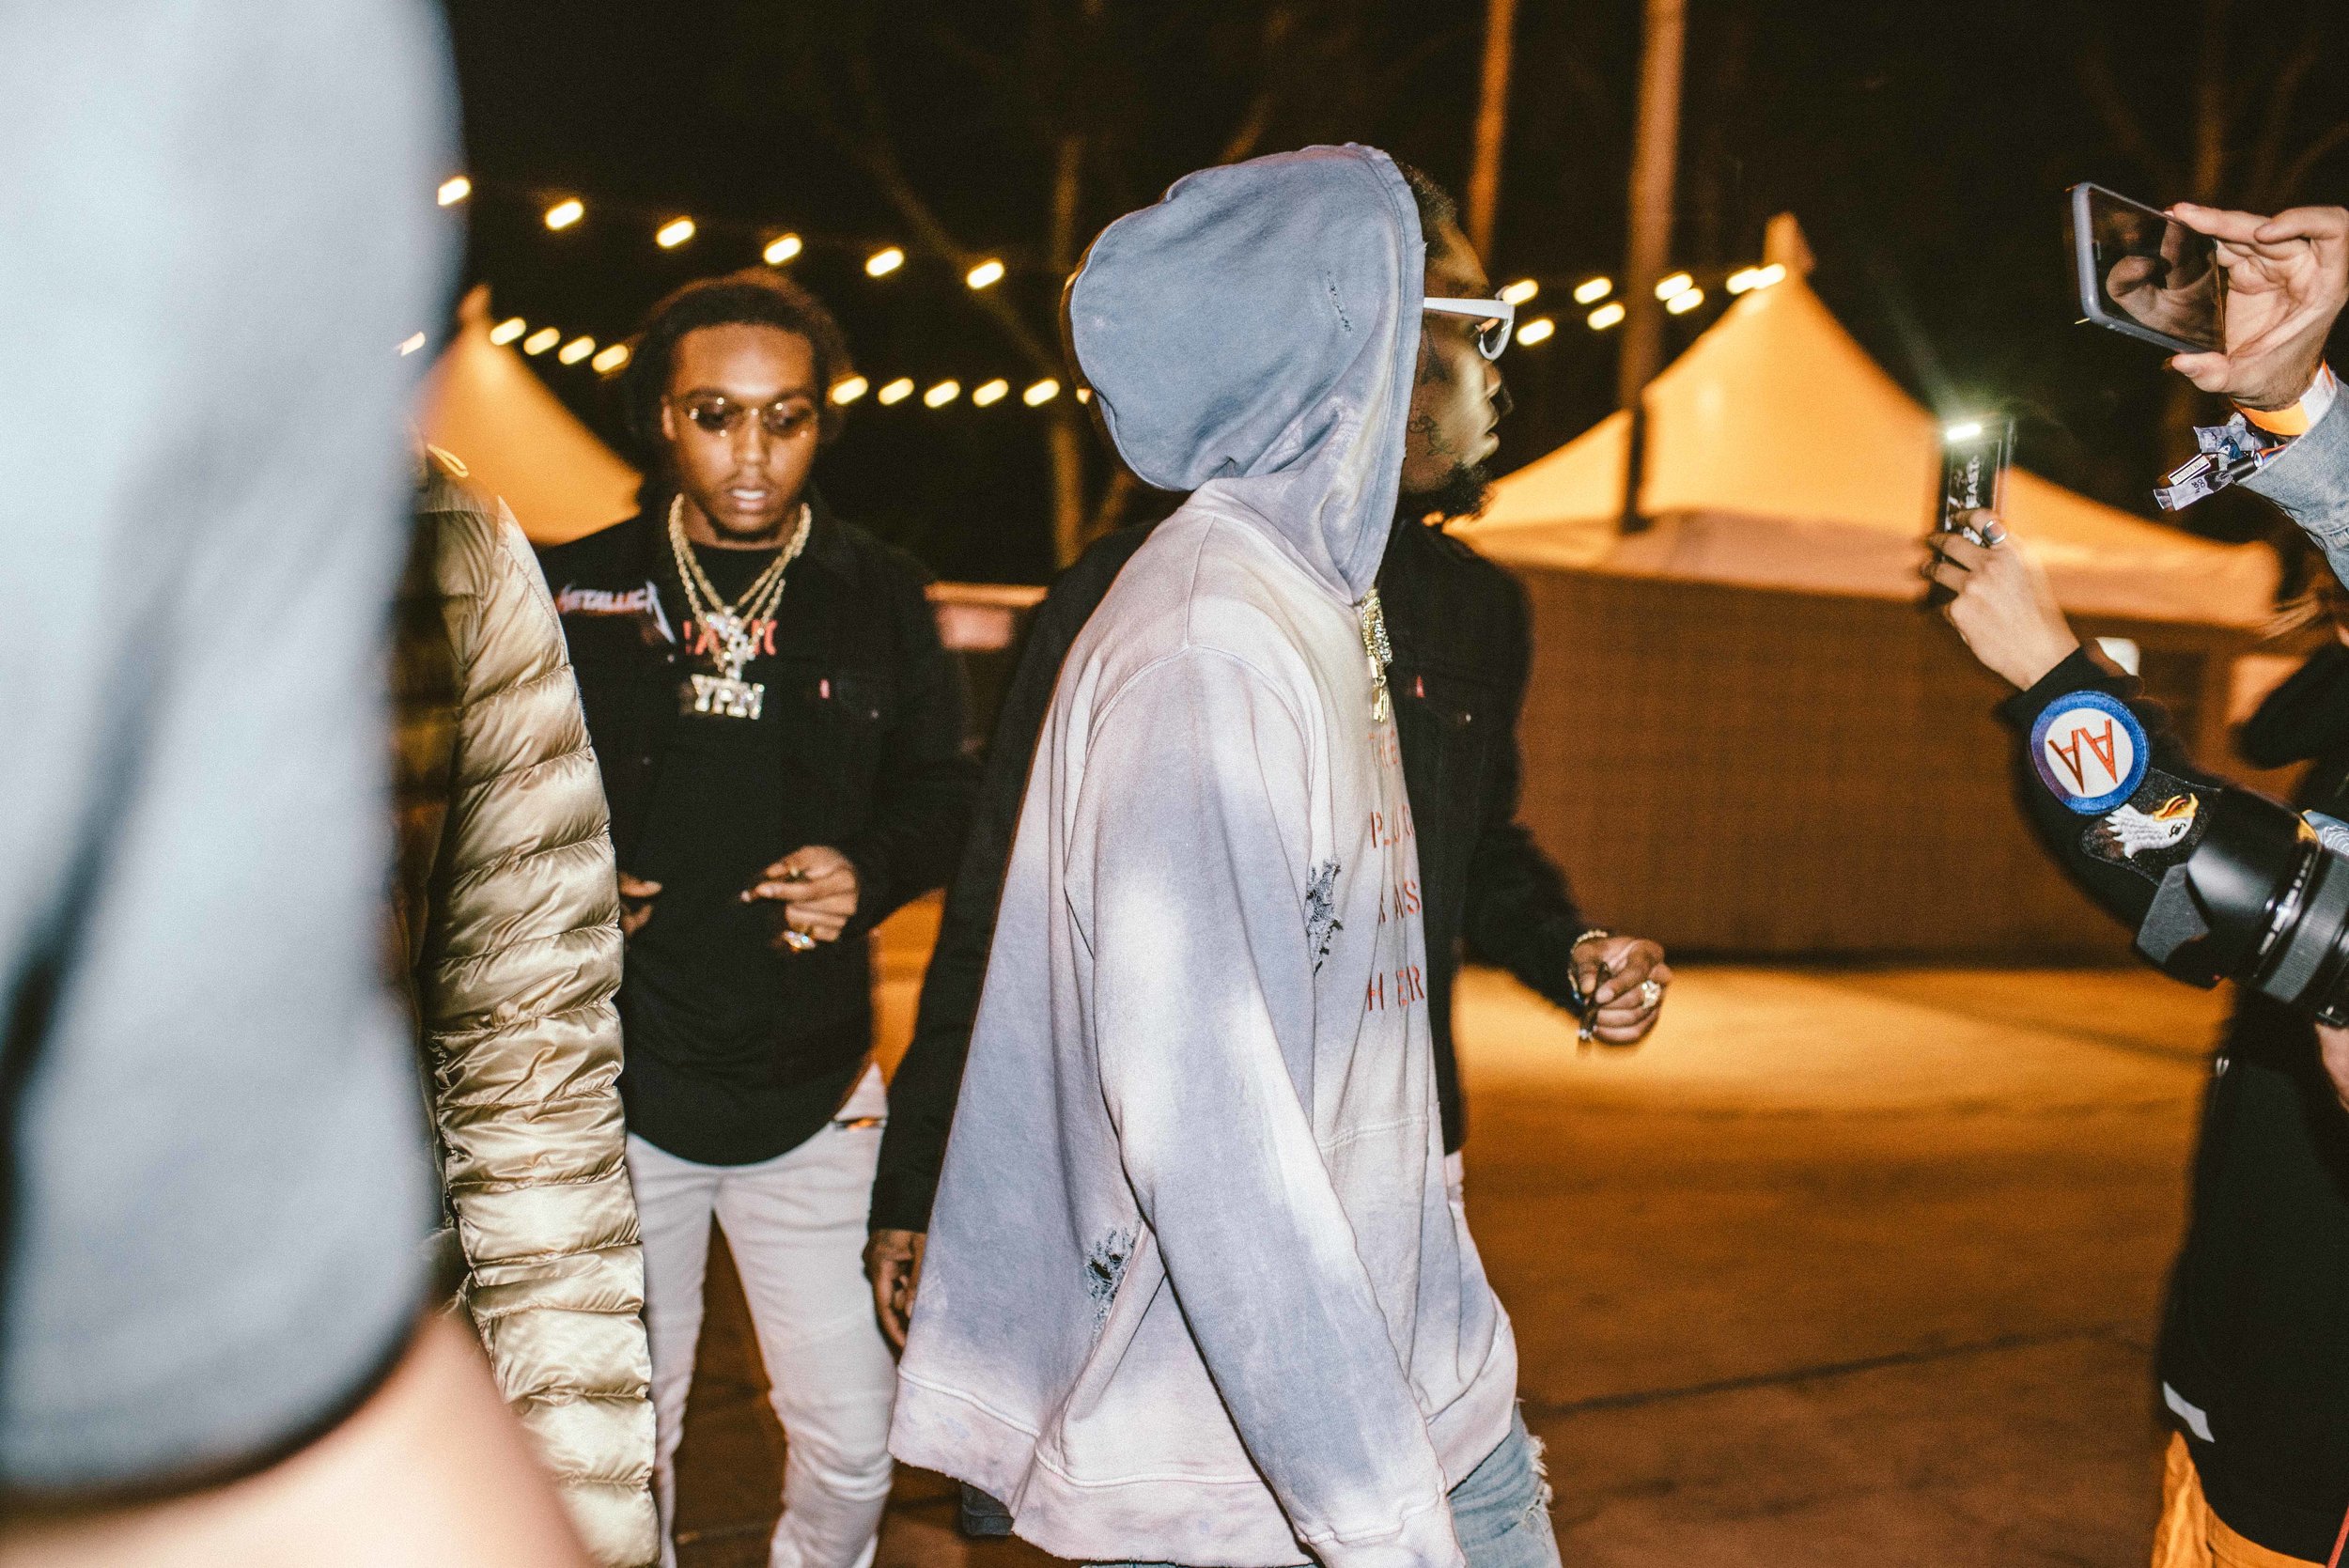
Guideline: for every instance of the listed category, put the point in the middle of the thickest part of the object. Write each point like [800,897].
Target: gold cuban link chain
[729,625]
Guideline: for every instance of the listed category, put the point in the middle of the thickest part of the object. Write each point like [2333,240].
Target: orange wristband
[2300,417]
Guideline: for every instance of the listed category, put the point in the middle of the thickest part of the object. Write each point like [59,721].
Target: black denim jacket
[859,679]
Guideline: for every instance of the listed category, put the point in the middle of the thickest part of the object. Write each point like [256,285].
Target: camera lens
[2311,956]
[2276,903]
[2251,874]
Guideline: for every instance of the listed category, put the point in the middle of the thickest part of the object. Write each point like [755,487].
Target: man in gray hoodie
[1203,1294]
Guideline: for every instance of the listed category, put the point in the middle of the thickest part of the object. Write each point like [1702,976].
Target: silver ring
[797,939]
[1651,992]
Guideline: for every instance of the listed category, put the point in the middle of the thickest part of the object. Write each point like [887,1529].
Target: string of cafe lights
[777,246]
[778,249]
[610,358]
[1680,294]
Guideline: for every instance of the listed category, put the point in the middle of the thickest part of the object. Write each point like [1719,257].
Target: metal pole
[1655,162]
[1492,126]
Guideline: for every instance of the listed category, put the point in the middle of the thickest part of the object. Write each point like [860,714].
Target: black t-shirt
[708,996]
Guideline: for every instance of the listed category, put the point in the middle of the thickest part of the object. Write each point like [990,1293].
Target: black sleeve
[1520,913]
[2124,893]
[925,783]
[2306,716]
[922,1095]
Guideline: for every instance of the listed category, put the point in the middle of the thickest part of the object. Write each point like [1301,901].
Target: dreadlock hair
[1434,204]
[753,297]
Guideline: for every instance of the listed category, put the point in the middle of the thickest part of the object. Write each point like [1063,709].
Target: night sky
[1924,147]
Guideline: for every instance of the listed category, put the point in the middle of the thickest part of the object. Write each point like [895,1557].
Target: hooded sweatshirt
[1196,1289]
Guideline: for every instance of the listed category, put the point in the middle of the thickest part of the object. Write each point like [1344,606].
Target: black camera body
[2261,901]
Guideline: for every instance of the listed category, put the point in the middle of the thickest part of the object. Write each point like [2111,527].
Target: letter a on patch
[2090,751]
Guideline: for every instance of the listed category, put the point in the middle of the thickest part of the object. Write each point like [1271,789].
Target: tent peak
[1784,242]
[474,309]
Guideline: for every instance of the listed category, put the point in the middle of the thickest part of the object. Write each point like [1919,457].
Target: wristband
[2299,418]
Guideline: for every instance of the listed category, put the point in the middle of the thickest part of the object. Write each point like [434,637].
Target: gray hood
[1254,335]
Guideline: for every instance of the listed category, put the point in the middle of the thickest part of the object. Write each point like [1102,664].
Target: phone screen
[2152,277]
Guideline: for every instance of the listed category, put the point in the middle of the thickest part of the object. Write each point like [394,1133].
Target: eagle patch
[2153,829]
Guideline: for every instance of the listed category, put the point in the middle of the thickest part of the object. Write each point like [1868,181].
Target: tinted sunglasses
[781,418]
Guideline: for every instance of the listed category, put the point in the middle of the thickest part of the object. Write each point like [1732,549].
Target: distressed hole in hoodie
[1322,924]
[1105,1266]
[1345,322]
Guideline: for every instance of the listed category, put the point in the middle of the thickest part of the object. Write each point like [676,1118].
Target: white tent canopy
[1779,454]
[517,441]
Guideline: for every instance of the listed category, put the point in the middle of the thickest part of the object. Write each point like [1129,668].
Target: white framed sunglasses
[1499,316]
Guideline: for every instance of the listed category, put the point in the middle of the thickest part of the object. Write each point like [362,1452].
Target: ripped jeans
[1499,1513]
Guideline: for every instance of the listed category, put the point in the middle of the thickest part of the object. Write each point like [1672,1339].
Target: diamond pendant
[1378,653]
[724,697]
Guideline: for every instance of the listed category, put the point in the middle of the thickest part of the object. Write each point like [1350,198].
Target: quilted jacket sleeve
[520,964]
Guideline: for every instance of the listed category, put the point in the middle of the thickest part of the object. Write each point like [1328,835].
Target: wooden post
[1655,162]
[1492,126]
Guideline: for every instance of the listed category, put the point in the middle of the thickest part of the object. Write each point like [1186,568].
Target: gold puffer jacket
[508,910]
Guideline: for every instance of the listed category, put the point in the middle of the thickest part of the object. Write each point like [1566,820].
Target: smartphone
[1975,457]
[2142,273]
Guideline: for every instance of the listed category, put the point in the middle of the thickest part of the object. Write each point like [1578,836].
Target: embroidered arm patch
[2153,829]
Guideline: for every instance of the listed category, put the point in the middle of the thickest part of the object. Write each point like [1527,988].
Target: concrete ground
[1839,1267]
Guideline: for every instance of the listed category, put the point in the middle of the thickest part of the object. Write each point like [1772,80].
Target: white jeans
[796,1226]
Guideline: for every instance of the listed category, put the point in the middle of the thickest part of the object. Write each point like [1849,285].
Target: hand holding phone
[1975,457]
[2287,277]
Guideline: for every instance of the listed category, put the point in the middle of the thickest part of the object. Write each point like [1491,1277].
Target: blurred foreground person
[216,225]
[1198,1289]
[1462,647]
[510,925]
[2254,1355]
[2254,1359]
[781,739]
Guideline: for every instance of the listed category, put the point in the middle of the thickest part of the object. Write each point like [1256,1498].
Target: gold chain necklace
[729,626]
[1379,652]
